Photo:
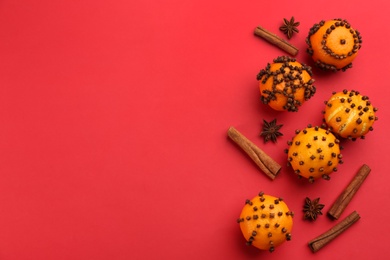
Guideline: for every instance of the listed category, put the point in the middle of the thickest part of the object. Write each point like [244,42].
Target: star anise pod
[312,208]
[271,131]
[289,27]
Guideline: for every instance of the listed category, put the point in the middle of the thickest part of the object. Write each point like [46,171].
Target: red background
[113,121]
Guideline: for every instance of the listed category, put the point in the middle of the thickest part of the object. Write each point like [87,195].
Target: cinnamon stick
[262,160]
[347,194]
[322,240]
[276,40]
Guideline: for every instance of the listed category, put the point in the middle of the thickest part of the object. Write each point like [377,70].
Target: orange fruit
[314,153]
[349,114]
[266,222]
[285,84]
[333,44]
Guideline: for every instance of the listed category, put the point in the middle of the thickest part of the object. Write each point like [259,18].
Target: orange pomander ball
[349,114]
[266,222]
[314,153]
[285,84]
[333,44]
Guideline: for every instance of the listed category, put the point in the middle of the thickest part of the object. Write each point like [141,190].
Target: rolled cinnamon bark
[322,240]
[276,40]
[262,160]
[347,194]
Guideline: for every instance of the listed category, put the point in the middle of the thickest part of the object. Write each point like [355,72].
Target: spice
[322,240]
[286,84]
[310,151]
[312,208]
[262,160]
[271,131]
[347,194]
[289,27]
[330,38]
[266,230]
[276,40]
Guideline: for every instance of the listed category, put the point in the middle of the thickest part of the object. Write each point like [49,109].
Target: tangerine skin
[340,48]
[286,84]
[314,153]
[281,100]
[279,224]
[349,114]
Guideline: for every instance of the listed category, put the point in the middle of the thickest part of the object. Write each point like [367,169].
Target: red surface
[114,116]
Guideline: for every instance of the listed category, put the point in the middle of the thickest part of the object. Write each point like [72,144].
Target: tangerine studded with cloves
[266,222]
[313,153]
[286,84]
[349,114]
[333,44]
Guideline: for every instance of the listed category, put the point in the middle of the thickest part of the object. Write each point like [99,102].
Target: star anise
[289,27]
[271,131]
[312,208]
